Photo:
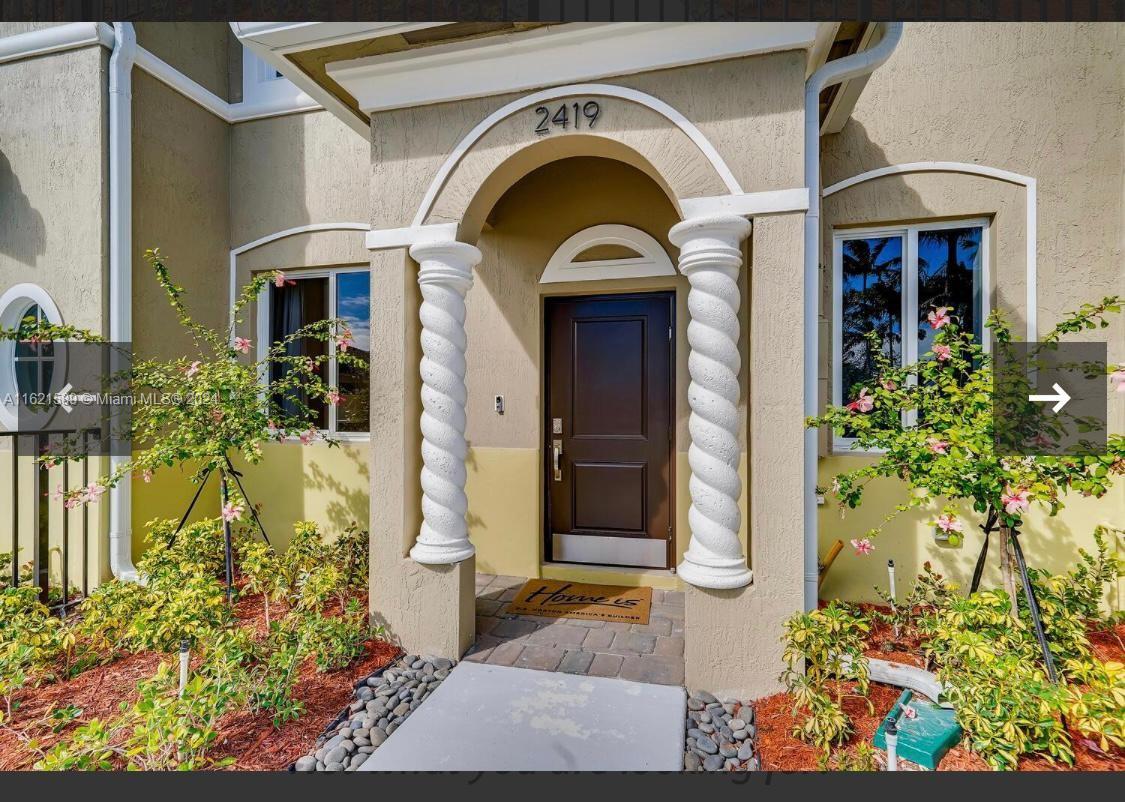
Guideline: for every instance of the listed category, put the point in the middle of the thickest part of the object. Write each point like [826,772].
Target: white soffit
[271,41]
[557,54]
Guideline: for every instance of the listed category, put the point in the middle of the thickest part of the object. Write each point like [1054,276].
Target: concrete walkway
[497,718]
[652,652]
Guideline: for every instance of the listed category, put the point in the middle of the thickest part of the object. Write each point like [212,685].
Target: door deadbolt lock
[556,425]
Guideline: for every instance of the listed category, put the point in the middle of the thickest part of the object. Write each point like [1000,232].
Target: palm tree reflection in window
[872,301]
[949,275]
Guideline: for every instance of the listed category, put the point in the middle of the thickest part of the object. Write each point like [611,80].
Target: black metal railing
[38,502]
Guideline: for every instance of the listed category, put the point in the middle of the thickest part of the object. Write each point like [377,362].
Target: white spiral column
[445,275]
[710,257]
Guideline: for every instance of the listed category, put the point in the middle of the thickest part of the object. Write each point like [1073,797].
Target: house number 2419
[577,114]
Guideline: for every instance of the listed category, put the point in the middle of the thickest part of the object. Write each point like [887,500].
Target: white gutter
[73,35]
[54,39]
[121,269]
[830,74]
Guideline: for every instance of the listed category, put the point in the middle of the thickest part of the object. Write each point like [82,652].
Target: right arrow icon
[1061,397]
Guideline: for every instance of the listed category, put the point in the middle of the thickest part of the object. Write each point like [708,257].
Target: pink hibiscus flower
[232,511]
[192,369]
[93,491]
[937,446]
[864,403]
[1117,379]
[938,317]
[332,397]
[344,342]
[889,385]
[242,344]
[949,523]
[862,546]
[1015,502]
[307,436]
[942,352]
[146,474]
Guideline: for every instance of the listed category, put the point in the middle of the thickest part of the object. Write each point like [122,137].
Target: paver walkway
[496,718]
[652,652]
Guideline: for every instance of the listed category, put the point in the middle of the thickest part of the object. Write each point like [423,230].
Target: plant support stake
[894,595]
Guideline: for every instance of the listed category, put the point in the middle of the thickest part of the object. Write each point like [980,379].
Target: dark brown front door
[609,429]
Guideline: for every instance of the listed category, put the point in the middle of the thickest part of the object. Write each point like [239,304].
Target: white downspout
[832,73]
[121,267]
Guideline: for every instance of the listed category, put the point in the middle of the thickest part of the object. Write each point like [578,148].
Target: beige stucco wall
[53,185]
[200,50]
[1046,101]
[739,105]
[180,205]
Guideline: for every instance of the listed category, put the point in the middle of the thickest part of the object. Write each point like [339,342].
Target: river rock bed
[721,735]
[381,703]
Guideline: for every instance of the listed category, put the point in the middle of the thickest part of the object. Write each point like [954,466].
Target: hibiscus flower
[864,403]
[242,344]
[937,446]
[949,523]
[332,397]
[232,511]
[192,369]
[1015,501]
[942,352]
[1117,379]
[938,317]
[862,546]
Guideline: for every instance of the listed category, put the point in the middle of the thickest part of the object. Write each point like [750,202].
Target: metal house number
[575,114]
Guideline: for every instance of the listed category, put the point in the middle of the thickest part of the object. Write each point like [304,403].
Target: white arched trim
[650,260]
[274,237]
[14,304]
[602,90]
[1031,227]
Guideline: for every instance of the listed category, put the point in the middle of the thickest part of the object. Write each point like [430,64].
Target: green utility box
[925,738]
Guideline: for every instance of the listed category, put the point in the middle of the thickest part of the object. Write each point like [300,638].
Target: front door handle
[557,448]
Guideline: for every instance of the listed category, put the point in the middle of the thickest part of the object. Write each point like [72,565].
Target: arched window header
[606,252]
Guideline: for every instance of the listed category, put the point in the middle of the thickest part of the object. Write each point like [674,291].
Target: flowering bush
[203,408]
[948,452]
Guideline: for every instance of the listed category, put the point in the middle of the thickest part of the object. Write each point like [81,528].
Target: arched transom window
[605,252]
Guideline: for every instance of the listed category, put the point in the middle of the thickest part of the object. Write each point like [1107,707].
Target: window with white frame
[26,366]
[309,296]
[887,280]
[263,83]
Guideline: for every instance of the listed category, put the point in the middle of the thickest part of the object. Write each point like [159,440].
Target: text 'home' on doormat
[552,597]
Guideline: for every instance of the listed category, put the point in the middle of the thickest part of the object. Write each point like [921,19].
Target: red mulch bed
[249,738]
[779,750]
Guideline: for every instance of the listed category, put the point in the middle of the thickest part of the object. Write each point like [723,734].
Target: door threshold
[663,578]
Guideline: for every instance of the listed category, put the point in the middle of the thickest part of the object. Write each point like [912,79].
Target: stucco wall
[1047,101]
[739,105]
[200,50]
[180,205]
[53,185]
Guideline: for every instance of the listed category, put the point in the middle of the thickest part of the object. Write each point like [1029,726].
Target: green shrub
[828,643]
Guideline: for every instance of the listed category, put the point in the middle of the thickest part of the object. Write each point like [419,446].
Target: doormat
[559,599]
